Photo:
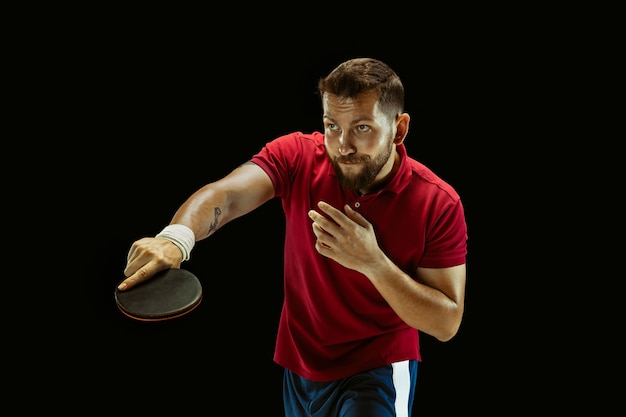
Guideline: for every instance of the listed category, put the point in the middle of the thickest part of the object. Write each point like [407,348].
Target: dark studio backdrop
[163,118]
[123,113]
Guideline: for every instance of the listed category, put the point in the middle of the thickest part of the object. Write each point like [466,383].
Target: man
[375,248]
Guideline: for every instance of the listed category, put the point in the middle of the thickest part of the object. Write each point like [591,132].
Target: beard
[369,169]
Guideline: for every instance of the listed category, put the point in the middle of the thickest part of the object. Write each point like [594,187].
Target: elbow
[448,329]
[447,334]
[442,332]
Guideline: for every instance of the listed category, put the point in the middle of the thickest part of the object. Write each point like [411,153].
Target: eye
[363,128]
[332,126]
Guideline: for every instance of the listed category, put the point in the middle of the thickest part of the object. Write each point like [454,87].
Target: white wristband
[180,235]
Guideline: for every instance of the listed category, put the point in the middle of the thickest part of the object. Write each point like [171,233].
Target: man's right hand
[146,257]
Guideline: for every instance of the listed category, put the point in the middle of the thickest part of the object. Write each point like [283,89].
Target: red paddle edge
[161,318]
[184,312]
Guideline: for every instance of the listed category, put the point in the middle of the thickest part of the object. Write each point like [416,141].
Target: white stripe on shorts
[402,383]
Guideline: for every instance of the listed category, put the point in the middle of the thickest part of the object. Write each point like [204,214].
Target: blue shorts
[387,391]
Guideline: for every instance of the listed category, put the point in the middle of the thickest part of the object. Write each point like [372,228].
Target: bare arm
[204,212]
[212,206]
[433,303]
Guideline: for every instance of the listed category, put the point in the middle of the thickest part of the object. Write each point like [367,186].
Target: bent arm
[433,303]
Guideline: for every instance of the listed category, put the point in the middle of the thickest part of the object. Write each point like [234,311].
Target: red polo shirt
[334,323]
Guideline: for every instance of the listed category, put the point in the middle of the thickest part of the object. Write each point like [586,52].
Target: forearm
[421,306]
[204,212]
[217,203]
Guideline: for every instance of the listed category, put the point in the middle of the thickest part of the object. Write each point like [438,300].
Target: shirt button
[357,204]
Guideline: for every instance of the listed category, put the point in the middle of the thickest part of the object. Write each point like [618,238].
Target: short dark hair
[360,75]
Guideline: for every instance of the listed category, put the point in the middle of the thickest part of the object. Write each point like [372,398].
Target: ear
[402,128]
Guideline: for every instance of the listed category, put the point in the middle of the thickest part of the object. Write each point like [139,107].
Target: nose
[345,146]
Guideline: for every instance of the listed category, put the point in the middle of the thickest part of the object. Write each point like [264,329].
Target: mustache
[352,159]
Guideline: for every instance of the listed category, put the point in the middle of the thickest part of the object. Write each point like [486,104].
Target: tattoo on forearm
[213,227]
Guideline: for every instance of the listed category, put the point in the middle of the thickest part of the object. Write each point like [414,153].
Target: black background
[118,113]
[157,113]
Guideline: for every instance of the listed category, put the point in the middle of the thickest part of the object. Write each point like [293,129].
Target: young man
[375,248]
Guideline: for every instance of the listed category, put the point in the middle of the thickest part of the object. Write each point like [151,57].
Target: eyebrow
[356,121]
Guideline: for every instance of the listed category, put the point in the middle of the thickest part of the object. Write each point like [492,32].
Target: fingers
[141,275]
[326,229]
[356,217]
[332,212]
[323,238]
[320,227]
[336,219]
[329,223]
[335,229]
[146,257]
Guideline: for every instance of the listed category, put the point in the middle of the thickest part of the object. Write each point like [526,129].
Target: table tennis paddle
[168,294]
